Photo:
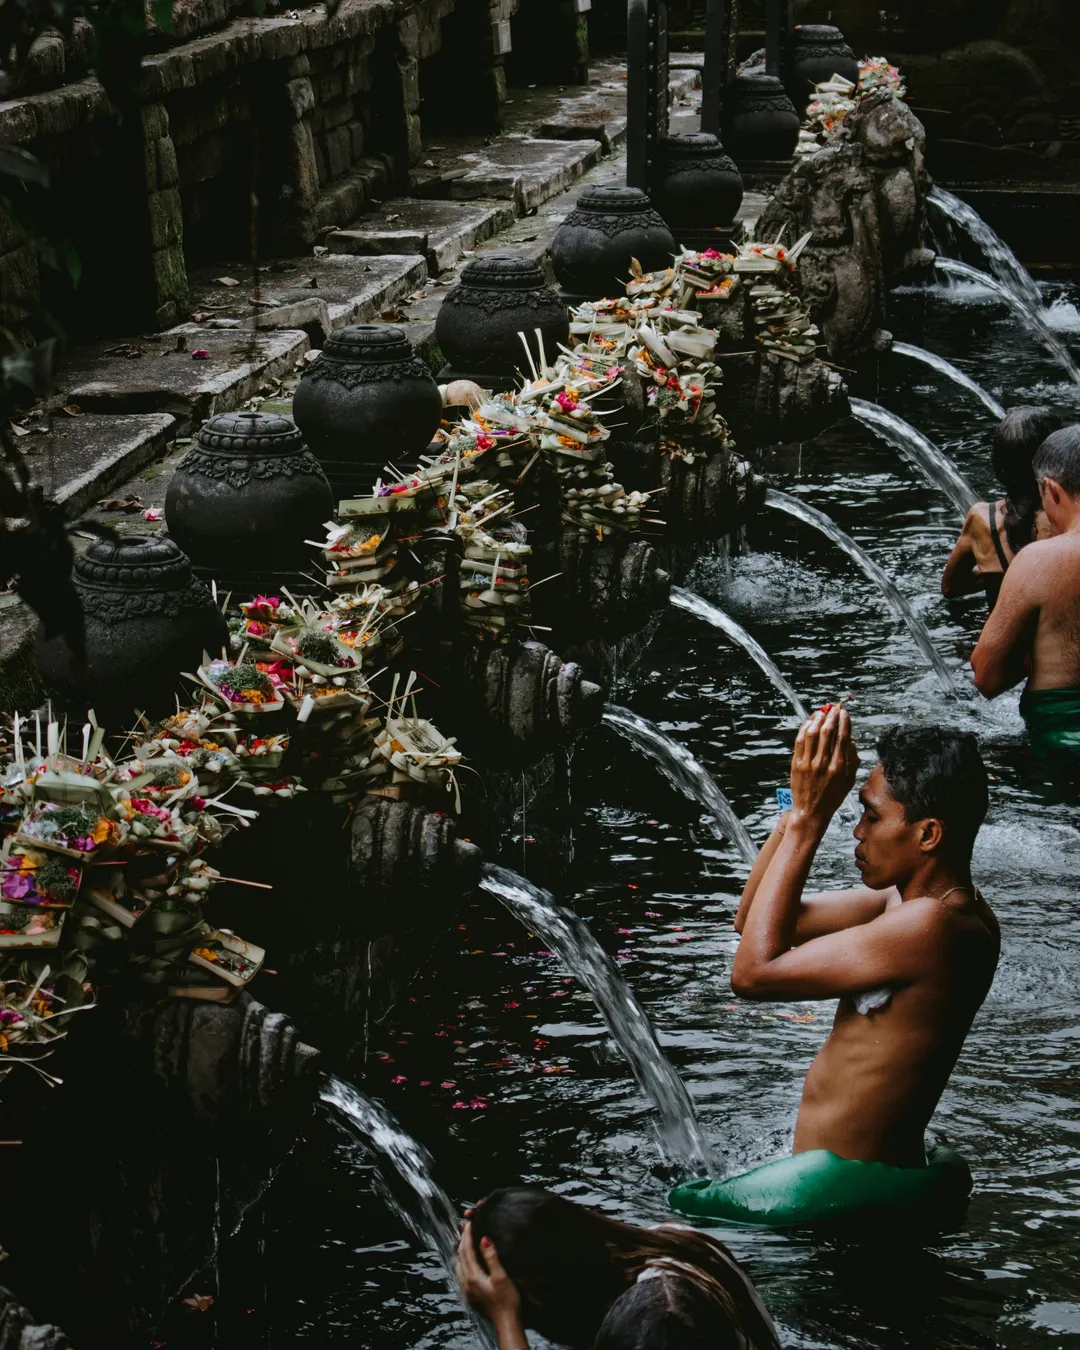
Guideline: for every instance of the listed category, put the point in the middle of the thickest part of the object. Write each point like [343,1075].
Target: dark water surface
[500,1065]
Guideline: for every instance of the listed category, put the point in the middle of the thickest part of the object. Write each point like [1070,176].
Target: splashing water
[425,1207]
[780,501]
[694,604]
[937,468]
[684,773]
[1033,316]
[950,372]
[1004,263]
[680,1136]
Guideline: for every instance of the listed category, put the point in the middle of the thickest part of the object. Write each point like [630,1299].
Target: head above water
[667,1313]
[1057,469]
[573,1265]
[923,803]
[1016,439]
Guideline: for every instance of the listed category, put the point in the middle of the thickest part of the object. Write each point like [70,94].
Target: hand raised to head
[483,1280]
[824,764]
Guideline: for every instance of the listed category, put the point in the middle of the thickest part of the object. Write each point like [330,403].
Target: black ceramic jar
[245,500]
[593,246]
[759,122]
[365,401]
[698,187]
[147,621]
[500,296]
[818,52]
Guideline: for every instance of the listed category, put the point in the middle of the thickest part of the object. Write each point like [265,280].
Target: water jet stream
[780,501]
[937,468]
[1033,317]
[1004,263]
[421,1203]
[684,773]
[567,934]
[950,372]
[695,604]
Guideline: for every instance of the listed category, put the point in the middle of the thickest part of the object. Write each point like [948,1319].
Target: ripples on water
[498,1062]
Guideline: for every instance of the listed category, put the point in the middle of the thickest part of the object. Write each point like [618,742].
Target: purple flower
[15,885]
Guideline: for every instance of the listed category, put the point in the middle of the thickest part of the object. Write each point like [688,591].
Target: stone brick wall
[310,115]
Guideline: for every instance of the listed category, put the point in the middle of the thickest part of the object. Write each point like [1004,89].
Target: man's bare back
[923,944]
[1034,629]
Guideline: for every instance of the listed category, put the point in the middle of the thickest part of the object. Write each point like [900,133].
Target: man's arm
[821,913]
[890,950]
[1002,656]
[823,768]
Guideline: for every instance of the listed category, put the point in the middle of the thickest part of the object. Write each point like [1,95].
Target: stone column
[168,269]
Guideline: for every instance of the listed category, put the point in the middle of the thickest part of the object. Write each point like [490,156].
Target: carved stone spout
[401,850]
[238,1057]
[523,701]
[19,1331]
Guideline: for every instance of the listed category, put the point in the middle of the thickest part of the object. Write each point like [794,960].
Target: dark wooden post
[775,11]
[646,87]
[714,74]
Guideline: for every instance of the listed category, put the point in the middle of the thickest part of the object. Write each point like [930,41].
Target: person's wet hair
[1059,458]
[1017,438]
[935,772]
[667,1313]
[571,1263]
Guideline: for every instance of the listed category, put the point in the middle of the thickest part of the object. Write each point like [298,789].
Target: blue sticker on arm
[783,799]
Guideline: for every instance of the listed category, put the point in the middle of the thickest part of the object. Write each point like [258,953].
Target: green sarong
[817,1186]
[1053,721]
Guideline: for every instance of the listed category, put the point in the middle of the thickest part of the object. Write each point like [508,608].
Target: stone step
[441,230]
[162,374]
[82,459]
[525,171]
[355,290]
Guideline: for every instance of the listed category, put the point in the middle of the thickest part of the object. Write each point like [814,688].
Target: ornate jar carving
[147,620]
[368,399]
[818,52]
[244,500]
[500,295]
[699,186]
[759,121]
[593,246]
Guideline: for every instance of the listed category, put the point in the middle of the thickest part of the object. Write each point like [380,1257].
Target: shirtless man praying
[1034,630]
[910,956]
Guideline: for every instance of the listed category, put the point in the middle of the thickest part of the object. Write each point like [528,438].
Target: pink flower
[478,1104]
[8,1016]
[201,354]
[627,931]
[460,1106]
[153,513]
[565,401]
[511,1005]
[447,1084]
[399,1078]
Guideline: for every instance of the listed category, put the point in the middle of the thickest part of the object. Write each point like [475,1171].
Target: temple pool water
[499,1063]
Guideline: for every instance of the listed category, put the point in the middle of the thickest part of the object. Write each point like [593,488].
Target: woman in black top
[995,532]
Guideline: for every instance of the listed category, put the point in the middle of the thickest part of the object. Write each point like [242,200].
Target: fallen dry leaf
[73,410]
[20,431]
[127,504]
[201,315]
[226,281]
[391,316]
[199,1302]
[418,295]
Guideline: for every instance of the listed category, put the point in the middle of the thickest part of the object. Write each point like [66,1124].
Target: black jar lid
[817,32]
[607,201]
[368,342]
[759,84]
[504,271]
[693,145]
[248,432]
[137,561]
